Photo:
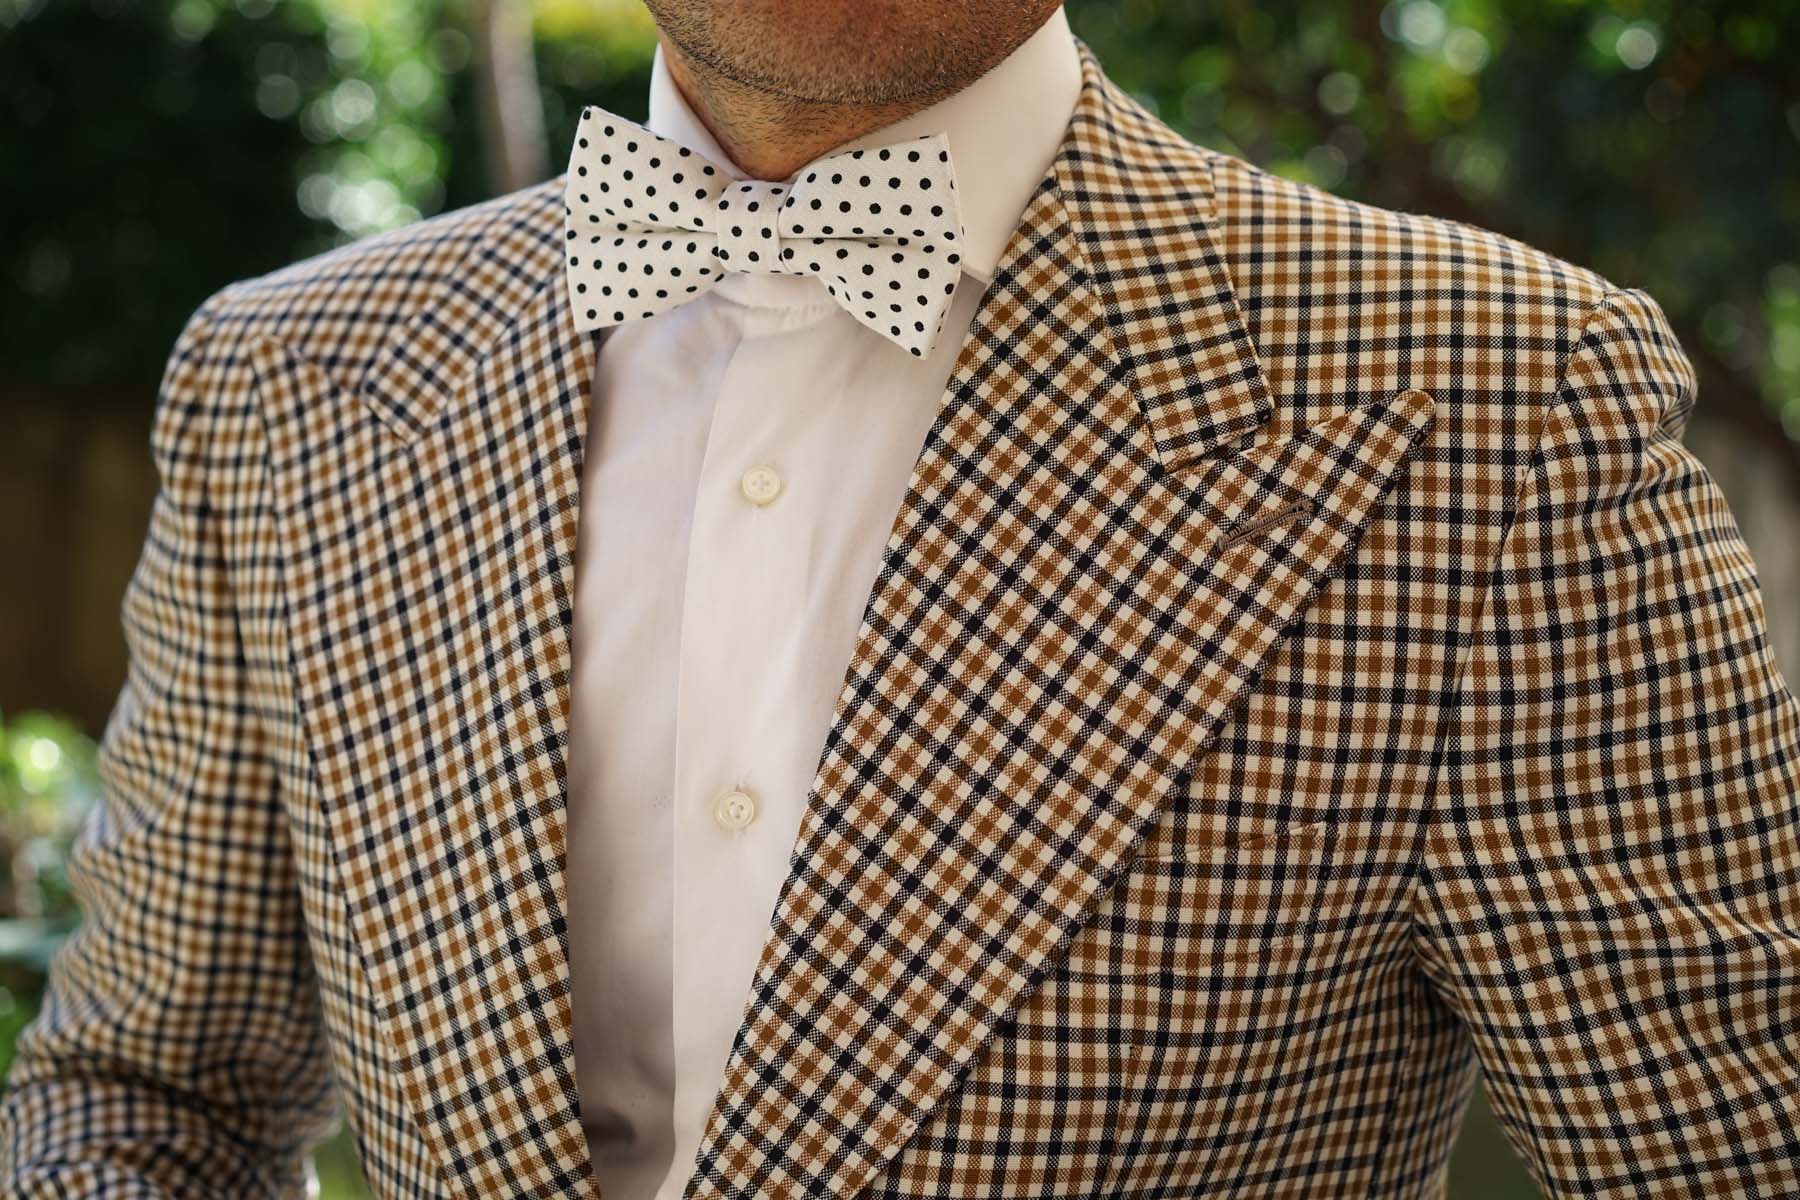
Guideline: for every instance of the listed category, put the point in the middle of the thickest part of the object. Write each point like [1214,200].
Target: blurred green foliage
[48,786]
[168,147]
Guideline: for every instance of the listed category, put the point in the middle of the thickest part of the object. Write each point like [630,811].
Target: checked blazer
[1307,669]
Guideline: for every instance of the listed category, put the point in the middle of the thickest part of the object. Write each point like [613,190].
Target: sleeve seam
[1555,409]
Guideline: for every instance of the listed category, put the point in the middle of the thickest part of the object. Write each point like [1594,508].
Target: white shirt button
[735,810]
[760,484]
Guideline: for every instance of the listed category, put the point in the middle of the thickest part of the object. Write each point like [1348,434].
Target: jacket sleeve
[179,1050]
[1609,889]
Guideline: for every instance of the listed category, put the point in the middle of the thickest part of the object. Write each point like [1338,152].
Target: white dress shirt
[747,453]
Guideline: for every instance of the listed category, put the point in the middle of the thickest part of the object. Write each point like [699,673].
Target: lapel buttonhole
[1265,521]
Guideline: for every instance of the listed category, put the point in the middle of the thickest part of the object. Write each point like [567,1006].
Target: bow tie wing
[882,230]
[638,219]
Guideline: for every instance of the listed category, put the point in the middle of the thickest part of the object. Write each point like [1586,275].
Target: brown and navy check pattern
[1307,668]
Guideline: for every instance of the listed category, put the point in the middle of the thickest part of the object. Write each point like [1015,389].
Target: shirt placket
[737,794]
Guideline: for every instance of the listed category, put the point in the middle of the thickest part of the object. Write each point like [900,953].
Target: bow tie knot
[749,234]
[650,223]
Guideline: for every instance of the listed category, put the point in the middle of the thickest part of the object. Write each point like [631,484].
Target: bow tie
[650,224]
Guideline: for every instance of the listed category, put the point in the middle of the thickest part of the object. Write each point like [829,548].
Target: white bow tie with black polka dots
[651,224]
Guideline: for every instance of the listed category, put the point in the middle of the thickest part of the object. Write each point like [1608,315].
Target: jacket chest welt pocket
[1184,907]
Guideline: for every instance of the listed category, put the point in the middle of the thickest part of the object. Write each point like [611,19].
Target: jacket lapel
[1089,567]
[430,581]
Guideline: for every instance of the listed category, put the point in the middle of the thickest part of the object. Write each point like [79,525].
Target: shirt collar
[1004,129]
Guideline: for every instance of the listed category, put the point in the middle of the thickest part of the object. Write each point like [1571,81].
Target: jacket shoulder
[1468,308]
[339,306]
[1255,202]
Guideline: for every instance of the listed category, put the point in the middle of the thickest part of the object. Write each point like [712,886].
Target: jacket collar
[1057,628]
